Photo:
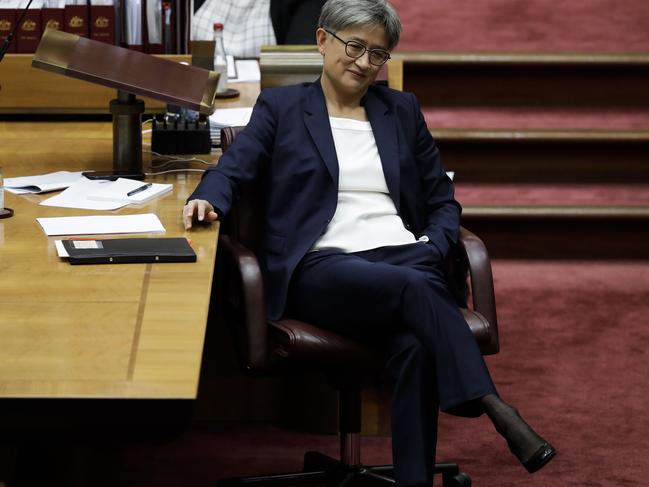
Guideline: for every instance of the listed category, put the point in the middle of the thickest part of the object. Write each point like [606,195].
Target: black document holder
[130,251]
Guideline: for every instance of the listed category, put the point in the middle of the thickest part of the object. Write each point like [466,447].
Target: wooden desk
[104,333]
[98,331]
[131,331]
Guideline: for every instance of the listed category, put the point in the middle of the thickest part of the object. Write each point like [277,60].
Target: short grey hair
[340,14]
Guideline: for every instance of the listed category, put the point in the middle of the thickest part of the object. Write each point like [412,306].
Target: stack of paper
[228,117]
[89,194]
[127,191]
[42,183]
[101,224]
[244,70]
[76,196]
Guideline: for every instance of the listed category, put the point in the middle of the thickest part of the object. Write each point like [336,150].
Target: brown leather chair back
[244,222]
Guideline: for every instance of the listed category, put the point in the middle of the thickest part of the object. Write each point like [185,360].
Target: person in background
[250,24]
[359,219]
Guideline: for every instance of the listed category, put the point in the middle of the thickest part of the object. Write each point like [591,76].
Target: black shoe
[540,459]
[533,451]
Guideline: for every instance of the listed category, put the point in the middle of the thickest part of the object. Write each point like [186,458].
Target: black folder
[129,250]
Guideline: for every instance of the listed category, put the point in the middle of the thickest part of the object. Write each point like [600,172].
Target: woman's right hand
[198,210]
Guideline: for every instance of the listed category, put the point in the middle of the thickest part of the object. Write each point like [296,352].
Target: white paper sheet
[42,183]
[230,117]
[60,249]
[245,70]
[116,191]
[101,224]
[76,196]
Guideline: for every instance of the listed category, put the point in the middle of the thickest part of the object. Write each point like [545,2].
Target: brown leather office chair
[272,345]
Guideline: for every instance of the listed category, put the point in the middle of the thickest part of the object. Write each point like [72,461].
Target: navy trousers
[397,298]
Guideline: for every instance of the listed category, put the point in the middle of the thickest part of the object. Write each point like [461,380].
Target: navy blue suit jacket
[290,138]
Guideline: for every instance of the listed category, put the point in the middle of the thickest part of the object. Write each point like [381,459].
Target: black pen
[139,189]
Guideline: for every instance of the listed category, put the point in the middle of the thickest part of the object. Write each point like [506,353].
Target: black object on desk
[179,135]
[144,187]
[129,250]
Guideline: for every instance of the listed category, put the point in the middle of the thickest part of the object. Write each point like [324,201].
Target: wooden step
[561,232]
[599,213]
[545,155]
[558,220]
[535,79]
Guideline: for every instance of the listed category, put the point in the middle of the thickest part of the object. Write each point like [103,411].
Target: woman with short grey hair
[340,14]
[359,220]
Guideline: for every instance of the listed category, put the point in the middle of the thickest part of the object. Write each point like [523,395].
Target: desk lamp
[131,73]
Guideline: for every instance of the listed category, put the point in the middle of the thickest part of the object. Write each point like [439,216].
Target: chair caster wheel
[459,480]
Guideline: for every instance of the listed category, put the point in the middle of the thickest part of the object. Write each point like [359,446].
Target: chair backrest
[245,220]
[289,65]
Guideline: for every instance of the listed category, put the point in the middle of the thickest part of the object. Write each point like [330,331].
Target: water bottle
[220,58]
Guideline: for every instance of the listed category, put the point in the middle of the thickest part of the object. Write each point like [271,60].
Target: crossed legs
[397,298]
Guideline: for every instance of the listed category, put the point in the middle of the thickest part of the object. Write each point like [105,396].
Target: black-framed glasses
[354,49]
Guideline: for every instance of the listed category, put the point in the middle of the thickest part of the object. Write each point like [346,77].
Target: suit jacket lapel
[316,120]
[385,133]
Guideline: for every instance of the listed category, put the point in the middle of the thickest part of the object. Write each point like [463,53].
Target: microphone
[7,42]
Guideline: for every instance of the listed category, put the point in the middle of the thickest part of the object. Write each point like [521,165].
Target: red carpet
[529,26]
[574,340]
[526,118]
[573,360]
[584,194]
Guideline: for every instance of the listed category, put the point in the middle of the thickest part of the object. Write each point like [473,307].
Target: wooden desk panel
[122,331]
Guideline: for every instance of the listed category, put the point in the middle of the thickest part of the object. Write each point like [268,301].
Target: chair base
[325,470]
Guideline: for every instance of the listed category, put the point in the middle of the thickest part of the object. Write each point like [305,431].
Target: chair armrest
[482,286]
[248,317]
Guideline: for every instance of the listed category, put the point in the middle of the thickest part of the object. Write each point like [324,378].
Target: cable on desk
[163,160]
[187,169]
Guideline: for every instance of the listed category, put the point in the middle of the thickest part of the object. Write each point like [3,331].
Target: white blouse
[365,217]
